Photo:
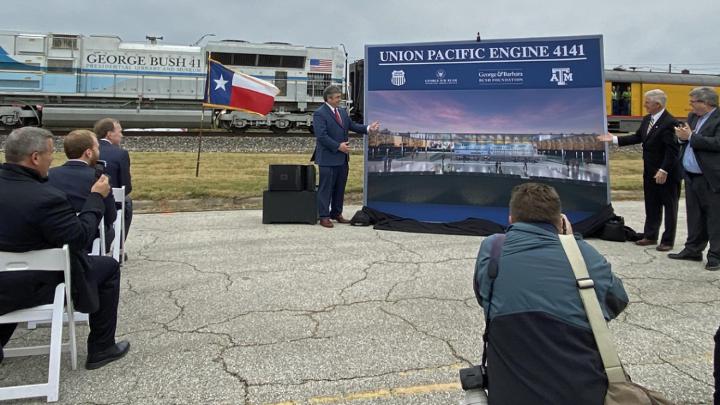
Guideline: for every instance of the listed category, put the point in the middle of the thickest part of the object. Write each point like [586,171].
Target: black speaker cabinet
[291,178]
[289,207]
[286,178]
[310,178]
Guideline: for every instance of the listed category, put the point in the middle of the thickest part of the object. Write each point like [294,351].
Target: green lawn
[171,175]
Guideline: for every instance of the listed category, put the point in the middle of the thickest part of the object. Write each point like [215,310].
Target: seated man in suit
[35,215]
[109,133]
[76,177]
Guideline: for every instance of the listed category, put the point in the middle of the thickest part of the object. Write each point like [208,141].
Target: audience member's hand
[375,126]
[604,138]
[101,186]
[344,147]
[660,177]
[683,131]
[567,226]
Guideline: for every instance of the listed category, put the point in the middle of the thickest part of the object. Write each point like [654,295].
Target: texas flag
[225,88]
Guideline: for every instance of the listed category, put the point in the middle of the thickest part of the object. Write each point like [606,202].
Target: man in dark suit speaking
[35,215]
[701,165]
[332,153]
[661,170]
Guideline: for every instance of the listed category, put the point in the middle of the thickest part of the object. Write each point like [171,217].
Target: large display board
[462,123]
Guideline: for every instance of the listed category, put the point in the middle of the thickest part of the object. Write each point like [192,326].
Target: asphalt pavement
[222,309]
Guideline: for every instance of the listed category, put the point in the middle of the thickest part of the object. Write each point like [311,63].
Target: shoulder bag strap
[495,252]
[586,286]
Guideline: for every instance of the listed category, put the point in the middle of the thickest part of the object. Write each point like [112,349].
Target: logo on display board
[561,76]
[440,78]
[398,77]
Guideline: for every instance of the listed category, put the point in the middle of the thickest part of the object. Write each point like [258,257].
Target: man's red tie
[337,117]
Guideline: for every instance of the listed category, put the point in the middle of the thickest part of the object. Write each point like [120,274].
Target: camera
[100,168]
[474,382]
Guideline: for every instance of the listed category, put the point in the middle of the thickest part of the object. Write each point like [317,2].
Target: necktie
[337,117]
[650,125]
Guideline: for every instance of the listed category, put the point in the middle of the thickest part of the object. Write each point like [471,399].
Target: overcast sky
[646,34]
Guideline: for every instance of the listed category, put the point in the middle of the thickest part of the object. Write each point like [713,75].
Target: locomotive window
[59,42]
[281,82]
[244,59]
[297,62]
[270,60]
[60,65]
[222,57]
[316,83]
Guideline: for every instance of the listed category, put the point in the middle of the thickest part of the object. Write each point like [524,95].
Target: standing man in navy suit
[76,177]
[109,132]
[332,153]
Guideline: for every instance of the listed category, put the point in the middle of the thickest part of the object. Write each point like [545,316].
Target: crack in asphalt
[430,335]
[143,256]
[683,372]
[402,247]
[647,328]
[304,381]
[399,282]
[366,273]
[226,368]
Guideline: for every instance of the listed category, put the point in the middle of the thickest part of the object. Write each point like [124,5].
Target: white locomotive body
[69,80]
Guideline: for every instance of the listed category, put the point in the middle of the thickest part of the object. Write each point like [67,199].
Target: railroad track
[174,132]
[193,132]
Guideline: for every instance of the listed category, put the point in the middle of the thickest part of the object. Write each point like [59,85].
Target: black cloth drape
[589,227]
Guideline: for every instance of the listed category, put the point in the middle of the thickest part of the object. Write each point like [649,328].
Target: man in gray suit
[700,156]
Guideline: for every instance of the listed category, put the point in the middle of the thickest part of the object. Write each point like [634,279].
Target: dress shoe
[112,353]
[664,247]
[645,242]
[341,220]
[685,255]
[713,265]
[326,222]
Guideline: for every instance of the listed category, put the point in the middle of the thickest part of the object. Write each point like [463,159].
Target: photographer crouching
[539,347]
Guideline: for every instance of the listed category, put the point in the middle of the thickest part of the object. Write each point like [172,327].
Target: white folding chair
[98,246]
[98,249]
[44,260]
[118,247]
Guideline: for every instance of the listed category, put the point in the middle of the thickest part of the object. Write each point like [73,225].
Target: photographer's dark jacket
[541,347]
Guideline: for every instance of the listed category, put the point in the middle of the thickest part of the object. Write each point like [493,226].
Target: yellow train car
[625,107]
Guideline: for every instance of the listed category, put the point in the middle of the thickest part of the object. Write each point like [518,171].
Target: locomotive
[72,80]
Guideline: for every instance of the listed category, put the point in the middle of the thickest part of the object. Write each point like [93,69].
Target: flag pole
[197,163]
[202,114]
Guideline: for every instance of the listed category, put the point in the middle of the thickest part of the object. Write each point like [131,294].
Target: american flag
[321,65]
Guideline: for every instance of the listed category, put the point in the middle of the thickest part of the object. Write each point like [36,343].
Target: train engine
[71,80]
[301,73]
